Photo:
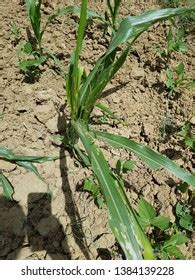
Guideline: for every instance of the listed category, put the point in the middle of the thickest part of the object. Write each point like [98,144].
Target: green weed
[15,33]
[177,78]
[187,135]
[169,238]
[184,216]
[175,43]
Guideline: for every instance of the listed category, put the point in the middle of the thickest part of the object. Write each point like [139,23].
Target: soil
[68,224]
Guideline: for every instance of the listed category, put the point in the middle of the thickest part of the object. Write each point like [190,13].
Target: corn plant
[33,49]
[82,95]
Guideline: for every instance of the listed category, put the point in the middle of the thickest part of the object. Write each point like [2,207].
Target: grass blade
[107,111]
[123,220]
[148,155]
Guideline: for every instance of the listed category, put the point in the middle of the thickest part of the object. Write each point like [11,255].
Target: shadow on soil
[42,230]
[39,230]
[70,206]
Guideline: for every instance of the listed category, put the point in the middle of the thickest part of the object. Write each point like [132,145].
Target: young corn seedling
[82,95]
[33,49]
[32,54]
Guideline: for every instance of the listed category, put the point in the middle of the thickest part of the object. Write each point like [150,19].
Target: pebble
[192,120]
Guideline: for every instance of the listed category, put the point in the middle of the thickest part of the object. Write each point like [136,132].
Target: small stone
[45,112]
[7,166]
[24,253]
[137,73]
[179,162]
[192,120]
[42,96]
[56,244]
[52,125]
[142,88]
[162,77]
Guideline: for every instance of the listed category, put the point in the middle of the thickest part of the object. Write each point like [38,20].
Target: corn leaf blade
[9,155]
[130,28]
[29,166]
[147,154]
[123,220]
[33,8]
[75,71]
[7,187]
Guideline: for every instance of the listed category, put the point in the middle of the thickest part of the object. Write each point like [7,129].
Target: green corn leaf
[132,26]
[75,71]
[106,67]
[29,166]
[7,187]
[73,10]
[113,8]
[9,155]
[34,12]
[106,111]
[82,155]
[148,155]
[98,79]
[123,220]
